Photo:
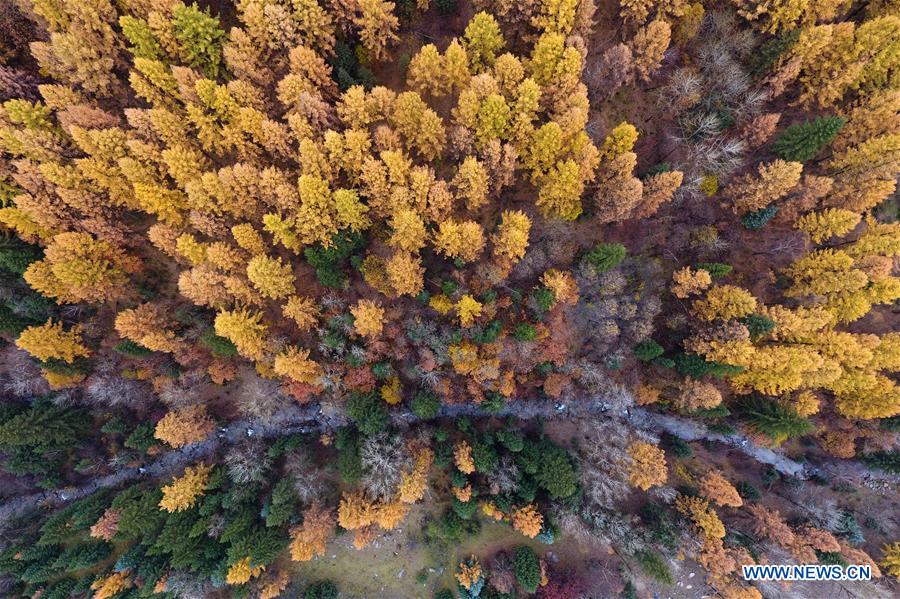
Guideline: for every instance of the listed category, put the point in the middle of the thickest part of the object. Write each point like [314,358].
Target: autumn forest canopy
[447,298]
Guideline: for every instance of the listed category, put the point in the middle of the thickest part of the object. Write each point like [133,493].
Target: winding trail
[296,419]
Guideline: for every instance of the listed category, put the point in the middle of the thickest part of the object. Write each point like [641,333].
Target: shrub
[654,566]
[524,332]
[447,7]
[758,325]
[555,473]
[748,492]
[131,349]
[606,256]
[324,589]
[219,346]
[679,447]
[368,412]
[716,270]
[888,461]
[541,300]
[758,218]
[425,405]
[485,456]
[465,509]
[648,350]
[527,568]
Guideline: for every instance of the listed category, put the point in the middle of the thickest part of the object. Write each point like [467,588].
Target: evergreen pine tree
[770,418]
[801,142]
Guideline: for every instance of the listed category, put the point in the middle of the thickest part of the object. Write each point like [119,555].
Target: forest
[448,299]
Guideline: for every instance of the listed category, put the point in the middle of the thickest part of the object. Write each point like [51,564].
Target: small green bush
[654,566]
[524,332]
[648,350]
[527,568]
[368,412]
[425,405]
[606,256]
[716,270]
[748,491]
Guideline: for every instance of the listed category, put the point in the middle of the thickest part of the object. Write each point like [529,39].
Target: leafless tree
[384,458]
[248,462]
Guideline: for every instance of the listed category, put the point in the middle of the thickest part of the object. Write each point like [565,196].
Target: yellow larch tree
[688,281]
[420,126]
[184,426]
[468,309]
[511,239]
[391,391]
[147,325]
[108,587]
[562,284]
[702,515]
[828,223]
[649,46]
[294,363]
[309,538]
[772,182]
[316,219]
[408,231]
[351,212]
[241,571]
[528,521]
[50,341]
[377,26]
[648,465]
[462,457]
[620,140]
[76,267]
[455,71]
[482,41]
[560,192]
[390,514]
[469,573]
[715,487]
[190,249]
[463,240]
[471,183]
[405,273]
[248,238]
[425,72]
[823,272]
[414,483]
[891,560]
[245,329]
[492,119]
[355,511]
[304,311]
[724,302]
[184,490]
[368,318]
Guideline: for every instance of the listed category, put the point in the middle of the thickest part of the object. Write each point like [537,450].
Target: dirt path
[308,419]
